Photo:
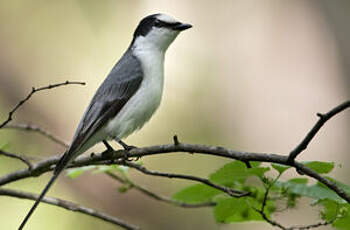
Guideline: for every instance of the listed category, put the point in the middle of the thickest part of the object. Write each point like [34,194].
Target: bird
[129,95]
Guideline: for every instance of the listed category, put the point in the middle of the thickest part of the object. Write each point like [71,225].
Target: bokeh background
[250,75]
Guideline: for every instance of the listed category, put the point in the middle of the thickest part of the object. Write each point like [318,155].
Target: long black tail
[60,166]
[53,178]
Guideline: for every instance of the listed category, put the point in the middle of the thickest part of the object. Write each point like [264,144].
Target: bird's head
[157,31]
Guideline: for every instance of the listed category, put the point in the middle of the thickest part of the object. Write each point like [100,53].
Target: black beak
[182,26]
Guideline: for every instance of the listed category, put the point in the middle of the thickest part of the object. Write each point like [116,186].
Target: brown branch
[96,159]
[34,90]
[229,191]
[325,223]
[268,220]
[37,129]
[158,197]
[69,206]
[22,158]
[261,211]
[323,118]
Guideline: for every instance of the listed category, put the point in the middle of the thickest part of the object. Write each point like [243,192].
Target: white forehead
[166,18]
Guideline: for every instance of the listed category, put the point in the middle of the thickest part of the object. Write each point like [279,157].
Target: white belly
[141,106]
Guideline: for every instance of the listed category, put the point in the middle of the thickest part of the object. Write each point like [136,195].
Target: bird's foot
[127,148]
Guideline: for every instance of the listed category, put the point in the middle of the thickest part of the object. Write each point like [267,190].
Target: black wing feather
[120,85]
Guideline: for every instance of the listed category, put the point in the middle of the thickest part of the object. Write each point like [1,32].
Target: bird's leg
[109,149]
[108,146]
[126,147]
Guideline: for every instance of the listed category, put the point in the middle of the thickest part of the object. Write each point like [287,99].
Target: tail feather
[53,178]
[62,163]
[60,166]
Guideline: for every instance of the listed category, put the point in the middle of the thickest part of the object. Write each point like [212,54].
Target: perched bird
[129,95]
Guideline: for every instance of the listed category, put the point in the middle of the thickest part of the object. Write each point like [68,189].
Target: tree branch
[323,118]
[97,159]
[34,90]
[156,196]
[69,206]
[22,158]
[261,211]
[325,223]
[229,191]
[37,129]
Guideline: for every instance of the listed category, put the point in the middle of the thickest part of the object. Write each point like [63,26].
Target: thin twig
[34,128]
[34,90]
[176,140]
[268,220]
[323,118]
[69,206]
[229,191]
[22,158]
[158,197]
[261,211]
[306,227]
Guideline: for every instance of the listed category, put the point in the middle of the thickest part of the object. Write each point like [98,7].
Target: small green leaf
[339,213]
[105,168]
[315,191]
[110,168]
[196,194]
[319,166]
[299,180]
[234,210]
[280,168]
[330,209]
[237,171]
[124,188]
[343,222]
[75,172]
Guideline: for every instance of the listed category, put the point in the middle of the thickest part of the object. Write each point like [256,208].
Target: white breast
[141,106]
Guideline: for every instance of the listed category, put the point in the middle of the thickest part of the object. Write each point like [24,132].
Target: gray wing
[120,85]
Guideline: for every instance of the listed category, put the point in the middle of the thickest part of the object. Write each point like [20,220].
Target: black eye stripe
[159,23]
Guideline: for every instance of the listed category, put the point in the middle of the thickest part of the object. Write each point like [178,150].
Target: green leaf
[280,168]
[235,210]
[319,166]
[315,191]
[300,180]
[75,172]
[330,209]
[335,211]
[196,194]
[237,171]
[124,188]
[343,222]
[110,168]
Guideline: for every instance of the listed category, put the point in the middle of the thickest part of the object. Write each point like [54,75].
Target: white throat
[151,58]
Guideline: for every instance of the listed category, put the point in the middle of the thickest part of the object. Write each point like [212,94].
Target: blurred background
[250,75]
